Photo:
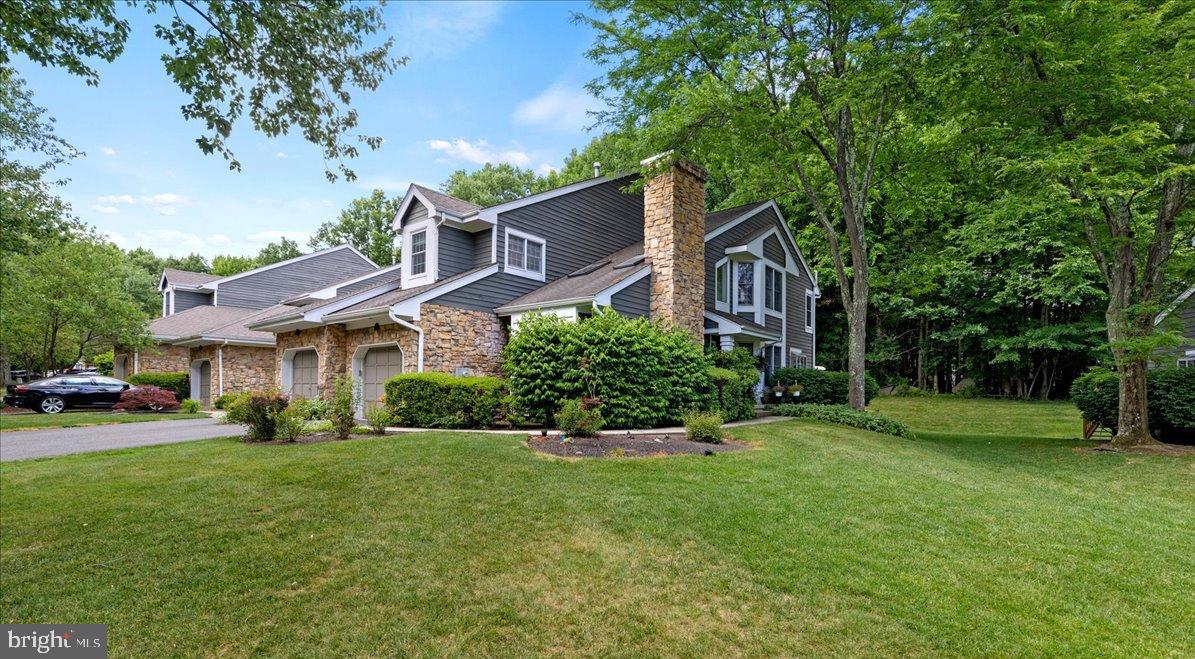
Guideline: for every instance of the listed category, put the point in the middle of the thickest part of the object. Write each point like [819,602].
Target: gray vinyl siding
[455,251]
[262,289]
[634,300]
[715,249]
[774,323]
[481,247]
[489,293]
[184,300]
[580,227]
[774,251]
[417,211]
[794,313]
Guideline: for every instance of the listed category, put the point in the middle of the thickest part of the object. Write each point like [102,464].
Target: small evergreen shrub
[222,402]
[148,397]
[441,400]
[905,390]
[822,387]
[733,395]
[290,423]
[1097,395]
[190,406]
[740,360]
[342,409]
[704,427]
[845,416]
[578,420]
[258,411]
[178,382]
[311,409]
[379,419]
[1170,395]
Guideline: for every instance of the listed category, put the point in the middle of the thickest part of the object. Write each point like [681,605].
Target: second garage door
[305,375]
[381,364]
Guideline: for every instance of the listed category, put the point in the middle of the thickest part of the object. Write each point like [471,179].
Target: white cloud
[116,199]
[280,154]
[106,210]
[558,107]
[544,169]
[478,152]
[384,183]
[219,239]
[423,26]
[272,236]
[108,151]
[165,203]
[166,198]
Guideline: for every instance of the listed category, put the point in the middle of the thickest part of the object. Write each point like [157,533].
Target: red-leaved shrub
[147,397]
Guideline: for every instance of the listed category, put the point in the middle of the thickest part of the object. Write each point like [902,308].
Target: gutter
[418,331]
[533,306]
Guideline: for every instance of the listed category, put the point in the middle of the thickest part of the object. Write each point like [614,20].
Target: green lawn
[76,419]
[984,416]
[825,540]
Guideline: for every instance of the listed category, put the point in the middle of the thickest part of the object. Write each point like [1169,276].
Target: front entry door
[381,364]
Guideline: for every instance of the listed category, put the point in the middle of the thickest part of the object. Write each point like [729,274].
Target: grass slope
[77,419]
[984,416]
[825,540]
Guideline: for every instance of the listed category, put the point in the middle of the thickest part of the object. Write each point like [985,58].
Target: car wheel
[51,405]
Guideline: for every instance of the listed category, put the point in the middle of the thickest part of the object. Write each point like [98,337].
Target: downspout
[416,329]
[220,367]
[136,362]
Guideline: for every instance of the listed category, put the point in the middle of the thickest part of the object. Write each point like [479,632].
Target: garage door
[381,364]
[205,384]
[305,375]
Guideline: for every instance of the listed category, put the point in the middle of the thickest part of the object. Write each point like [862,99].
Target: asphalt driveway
[24,444]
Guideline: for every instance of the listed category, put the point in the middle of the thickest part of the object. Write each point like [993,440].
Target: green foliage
[224,400]
[378,418]
[645,375]
[258,411]
[733,394]
[342,408]
[491,185]
[189,406]
[179,382]
[441,400]
[290,424]
[909,391]
[821,387]
[575,419]
[103,362]
[845,416]
[740,360]
[227,265]
[150,398]
[311,409]
[704,427]
[1170,395]
[366,225]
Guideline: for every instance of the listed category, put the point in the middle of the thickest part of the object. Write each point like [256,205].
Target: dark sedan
[53,395]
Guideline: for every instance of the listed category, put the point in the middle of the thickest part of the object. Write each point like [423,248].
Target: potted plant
[795,390]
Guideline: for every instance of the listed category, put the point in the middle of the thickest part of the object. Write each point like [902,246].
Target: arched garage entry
[300,373]
[374,364]
[120,368]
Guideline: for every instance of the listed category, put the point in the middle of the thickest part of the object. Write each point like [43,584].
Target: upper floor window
[809,310]
[418,253]
[524,255]
[722,282]
[745,285]
[1188,362]
[773,294]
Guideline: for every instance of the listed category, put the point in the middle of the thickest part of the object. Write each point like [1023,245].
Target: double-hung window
[773,295]
[809,311]
[525,255]
[722,283]
[745,285]
[418,253]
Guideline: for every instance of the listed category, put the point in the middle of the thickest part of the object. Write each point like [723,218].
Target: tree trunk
[1132,427]
[857,345]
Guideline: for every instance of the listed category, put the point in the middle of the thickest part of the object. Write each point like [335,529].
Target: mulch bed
[614,444]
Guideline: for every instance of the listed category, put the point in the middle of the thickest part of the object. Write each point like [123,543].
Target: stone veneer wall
[328,342]
[674,244]
[390,333]
[455,338]
[246,368]
[162,358]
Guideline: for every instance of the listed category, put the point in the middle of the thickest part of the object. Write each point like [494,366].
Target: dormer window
[745,285]
[419,253]
[525,255]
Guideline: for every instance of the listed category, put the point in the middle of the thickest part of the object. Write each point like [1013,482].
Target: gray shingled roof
[386,299]
[717,219]
[587,281]
[202,320]
[448,203]
[743,322]
[188,278]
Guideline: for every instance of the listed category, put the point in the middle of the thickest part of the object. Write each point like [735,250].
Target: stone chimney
[674,241]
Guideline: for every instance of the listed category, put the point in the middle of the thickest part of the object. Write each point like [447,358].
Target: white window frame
[769,270]
[1186,362]
[430,251]
[723,270]
[414,234]
[810,311]
[539,275]
[734,278]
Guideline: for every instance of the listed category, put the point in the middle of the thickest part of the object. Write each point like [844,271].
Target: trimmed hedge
[440,400]
[178,382]
[822,387]
[845,416]
[1170,394]
[732,394]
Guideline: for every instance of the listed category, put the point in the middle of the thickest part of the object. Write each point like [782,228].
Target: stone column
[674,244]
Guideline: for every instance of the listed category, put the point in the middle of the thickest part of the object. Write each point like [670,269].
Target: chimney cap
[669,158]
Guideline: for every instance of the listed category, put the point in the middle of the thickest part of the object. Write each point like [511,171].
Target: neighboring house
[204,325]
[468,276]
[1180,317]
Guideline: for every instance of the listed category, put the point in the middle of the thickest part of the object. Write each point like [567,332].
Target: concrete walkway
[25,444]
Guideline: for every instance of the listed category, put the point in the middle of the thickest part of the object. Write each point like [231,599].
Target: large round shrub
[822,387]
[1170,395]
[177,381]
[644,374]
[1097,395]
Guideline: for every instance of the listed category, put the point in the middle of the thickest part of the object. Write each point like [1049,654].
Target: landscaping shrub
[441,400]
[740,360]
[577,420]
[190,406]
[179,383]
[290,423]
[733,395]
[342,409]
[822,387]
[258,411]
[644,374]
[148,397]
[906,390]
[1170,395]
[103,362]
[704,427]
[311,409]
[845,416]
[222,401]
[378,419]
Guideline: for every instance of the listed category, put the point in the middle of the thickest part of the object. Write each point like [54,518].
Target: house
[468,275]
[204,330]
[1180,317]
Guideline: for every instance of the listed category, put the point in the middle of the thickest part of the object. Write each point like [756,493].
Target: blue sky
[485,82]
